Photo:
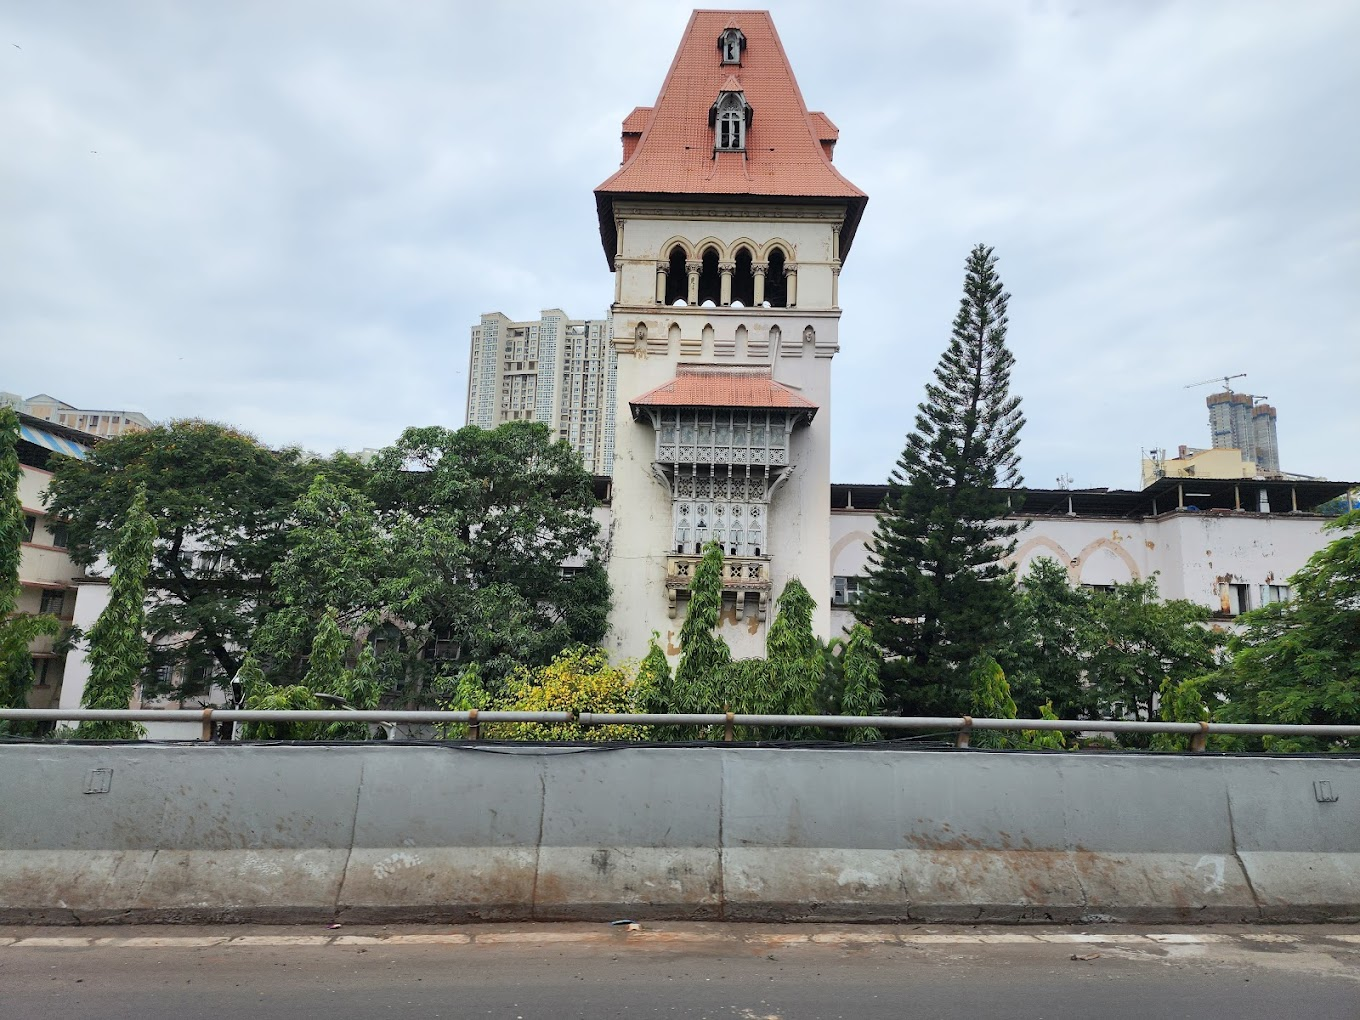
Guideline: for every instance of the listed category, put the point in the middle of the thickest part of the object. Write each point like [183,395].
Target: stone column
[662,272]
[725,270]
[693,266]
[791,276]
[835,285]
[618,279]
[836,243]
[758,270]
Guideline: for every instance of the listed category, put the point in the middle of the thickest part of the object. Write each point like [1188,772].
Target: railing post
[474,727]
[729,733]
[1201,739]
[207,733]
[967,728]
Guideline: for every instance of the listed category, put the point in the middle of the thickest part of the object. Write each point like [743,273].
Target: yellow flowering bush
[579,679]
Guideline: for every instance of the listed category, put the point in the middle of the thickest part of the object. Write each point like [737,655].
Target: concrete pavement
[749,972]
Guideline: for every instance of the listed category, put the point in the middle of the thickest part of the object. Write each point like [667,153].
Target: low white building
[1228,544]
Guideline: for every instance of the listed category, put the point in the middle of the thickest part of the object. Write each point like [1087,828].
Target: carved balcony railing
[747,577]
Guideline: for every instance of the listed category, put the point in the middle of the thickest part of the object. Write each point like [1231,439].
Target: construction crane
[1225,378]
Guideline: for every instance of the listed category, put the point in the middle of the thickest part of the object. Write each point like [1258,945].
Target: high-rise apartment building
[1267,441]
[558,370]
[96,423]
[1236,421]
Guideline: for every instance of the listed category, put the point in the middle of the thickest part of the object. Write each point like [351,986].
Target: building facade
[556,370]
[1238,421]
[726,228]
[1229,545]
[102,424]
[49,582]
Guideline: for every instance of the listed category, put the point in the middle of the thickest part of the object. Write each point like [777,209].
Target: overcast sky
[288,215]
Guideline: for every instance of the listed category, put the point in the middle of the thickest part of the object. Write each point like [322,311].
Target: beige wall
[799,528]
[42,567]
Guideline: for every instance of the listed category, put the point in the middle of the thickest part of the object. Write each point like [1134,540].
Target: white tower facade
[726,229]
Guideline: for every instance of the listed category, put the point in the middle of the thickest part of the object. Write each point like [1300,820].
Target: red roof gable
[721,386]
[784,158]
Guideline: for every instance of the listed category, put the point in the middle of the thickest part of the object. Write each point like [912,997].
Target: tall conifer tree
[118,649]
[937,594]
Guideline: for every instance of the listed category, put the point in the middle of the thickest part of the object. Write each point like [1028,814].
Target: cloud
[295,212]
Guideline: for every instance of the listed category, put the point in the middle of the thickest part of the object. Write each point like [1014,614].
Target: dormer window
[730,45]
[730,117]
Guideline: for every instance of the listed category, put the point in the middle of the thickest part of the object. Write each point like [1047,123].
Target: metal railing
[961,726]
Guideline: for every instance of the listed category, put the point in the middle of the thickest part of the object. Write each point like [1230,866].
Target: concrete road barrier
[214,833]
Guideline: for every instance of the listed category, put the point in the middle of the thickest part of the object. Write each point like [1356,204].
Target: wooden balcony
[746,577]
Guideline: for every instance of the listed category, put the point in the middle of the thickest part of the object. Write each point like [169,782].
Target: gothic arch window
[743,279]
[776,286]
[710,283]
[730,45]
[731,130]
[677,279]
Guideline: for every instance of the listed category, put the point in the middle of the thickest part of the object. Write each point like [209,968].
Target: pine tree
[654,680]
[861,689]
[937,595]
[797,666]
[118,649]
[703,653]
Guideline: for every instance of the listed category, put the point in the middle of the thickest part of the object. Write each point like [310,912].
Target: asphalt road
[748,972]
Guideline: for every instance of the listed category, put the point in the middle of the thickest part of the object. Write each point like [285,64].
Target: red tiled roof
[821,127]
[719,386]
[785,156]
[637,120]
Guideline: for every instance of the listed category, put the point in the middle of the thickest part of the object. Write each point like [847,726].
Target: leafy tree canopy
[1299,661]
[457,549]
[221,503]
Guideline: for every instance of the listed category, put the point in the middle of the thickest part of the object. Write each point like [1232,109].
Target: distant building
[557,370]
[1237,422]
[49,582]
[96,423]
[1189,462]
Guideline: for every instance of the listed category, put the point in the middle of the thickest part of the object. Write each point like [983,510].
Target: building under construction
[1237,422]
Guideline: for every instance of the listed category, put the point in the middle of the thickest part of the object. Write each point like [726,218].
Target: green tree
[222,504]
[337,560]
[476,525]
[937,594]
[1049,740]
[118,649]
[1143,641]
[1180,702]
[990,698]
[1298,662]
[654,678]
[1049,645]
[704,655]
[327,677]
[796,664]
[17,630]
[861,689]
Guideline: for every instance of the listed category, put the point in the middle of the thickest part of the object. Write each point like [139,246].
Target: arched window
[710,283]
[776,286]
[677,280]
[730,45]
[731,129]
[385,640]
[743,280]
